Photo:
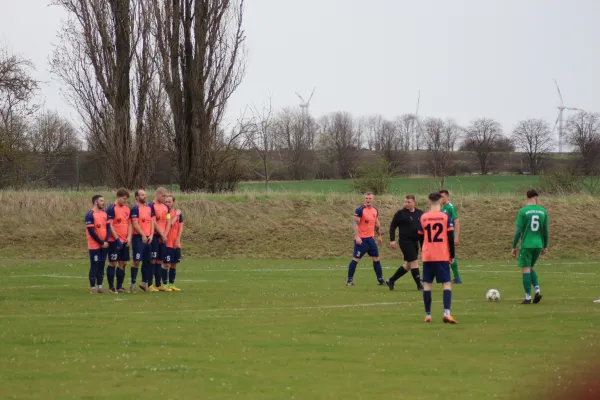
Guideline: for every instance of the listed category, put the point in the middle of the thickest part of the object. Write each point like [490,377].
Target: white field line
[275,309]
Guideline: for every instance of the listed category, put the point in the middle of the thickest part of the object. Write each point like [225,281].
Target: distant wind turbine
[560,120]
[304,105]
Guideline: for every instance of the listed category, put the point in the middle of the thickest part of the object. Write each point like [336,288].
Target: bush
[563,182]
[373,178]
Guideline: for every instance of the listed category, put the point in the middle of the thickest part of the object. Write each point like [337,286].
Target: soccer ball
[493,295]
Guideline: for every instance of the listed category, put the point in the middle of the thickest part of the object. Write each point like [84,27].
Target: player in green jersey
[450,209]
[532,231]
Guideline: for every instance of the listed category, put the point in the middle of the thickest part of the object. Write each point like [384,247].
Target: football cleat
[380,282]
[350,283]
[174,289]
[144,286]
[420,288]
[162,288]
[112,290]
[390,284]
[132,288]
[537,298]
[448,319]
[93,290]
[457,281]
[121,290]
[153,289]
[526,301]
[101,290]
[428,318]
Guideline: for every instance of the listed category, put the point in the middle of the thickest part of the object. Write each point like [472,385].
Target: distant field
[290,329]
[493,184]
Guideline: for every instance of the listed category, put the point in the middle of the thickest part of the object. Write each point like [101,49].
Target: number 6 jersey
[435,228]
[532,225]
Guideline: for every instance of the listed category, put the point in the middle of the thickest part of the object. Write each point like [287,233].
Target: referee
[407,220]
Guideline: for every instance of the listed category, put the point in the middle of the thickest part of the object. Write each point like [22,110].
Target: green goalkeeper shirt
[450,209]
[532,228]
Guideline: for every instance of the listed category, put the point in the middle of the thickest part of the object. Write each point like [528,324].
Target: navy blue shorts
[115,254]
[141,251]
[368,246]
[172,255]
[157,250]
[440,270]
[98,256]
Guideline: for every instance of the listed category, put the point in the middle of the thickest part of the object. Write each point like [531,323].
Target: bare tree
[534,138]
[296,134]
[201,56]
[386,138]
[481,138]
[440,138]
[104,57]
[262,139]
[584,135]
[53,139]
[405,126]
[18,91]
[340,140]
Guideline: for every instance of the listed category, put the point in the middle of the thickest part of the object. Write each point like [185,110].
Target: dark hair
[96,197]
[123,193]
[435,197]
[532,193]
[444,191]
[171,196]
[137,193]
[369,194]
[410,197]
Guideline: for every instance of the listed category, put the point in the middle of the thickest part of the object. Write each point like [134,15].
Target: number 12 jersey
[435,226]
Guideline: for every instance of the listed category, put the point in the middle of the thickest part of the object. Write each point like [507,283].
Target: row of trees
[339,136]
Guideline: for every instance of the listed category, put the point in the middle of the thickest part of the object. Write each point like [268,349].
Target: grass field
[275,329]
[459,185]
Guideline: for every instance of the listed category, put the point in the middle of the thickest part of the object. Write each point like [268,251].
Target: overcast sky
[469,58]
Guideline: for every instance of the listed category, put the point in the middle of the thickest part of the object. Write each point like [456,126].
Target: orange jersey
[144,215]
[175,228]
[98,220]
[366,217]
[118,216]
[435,226]
[160,213]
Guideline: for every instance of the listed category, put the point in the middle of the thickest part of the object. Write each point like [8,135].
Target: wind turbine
[304,105]
[559,120]
[416,125]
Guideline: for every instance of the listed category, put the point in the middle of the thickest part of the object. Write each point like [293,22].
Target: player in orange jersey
[158,247]
[366,225]
[119,241]
[437,232]
[97,232]
[173,253]
[142,221]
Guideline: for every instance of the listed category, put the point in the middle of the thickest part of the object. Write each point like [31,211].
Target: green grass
[458,185]
[274,329]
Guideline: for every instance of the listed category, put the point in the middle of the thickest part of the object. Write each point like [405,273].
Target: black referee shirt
[408,224]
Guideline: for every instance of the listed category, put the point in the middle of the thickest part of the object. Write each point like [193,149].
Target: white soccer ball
[493,295]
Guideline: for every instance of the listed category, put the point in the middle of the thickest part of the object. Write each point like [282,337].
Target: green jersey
[450,209]
[532,228]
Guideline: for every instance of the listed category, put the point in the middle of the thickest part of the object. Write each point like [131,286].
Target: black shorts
[410,250]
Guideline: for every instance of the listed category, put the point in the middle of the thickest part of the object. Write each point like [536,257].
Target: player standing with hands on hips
[365,226]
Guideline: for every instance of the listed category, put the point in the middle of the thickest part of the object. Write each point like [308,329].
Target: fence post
[77,171]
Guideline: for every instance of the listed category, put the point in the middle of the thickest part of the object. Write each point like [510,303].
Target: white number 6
[535,223]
